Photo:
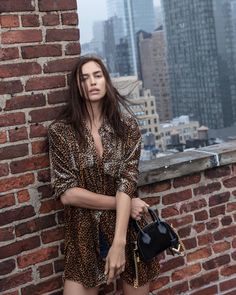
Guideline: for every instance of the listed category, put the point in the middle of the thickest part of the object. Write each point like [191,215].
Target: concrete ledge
[186,163]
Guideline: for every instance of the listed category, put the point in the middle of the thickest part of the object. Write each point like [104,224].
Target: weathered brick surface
[39,46]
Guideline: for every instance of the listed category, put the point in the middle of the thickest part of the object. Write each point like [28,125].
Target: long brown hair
[76,111]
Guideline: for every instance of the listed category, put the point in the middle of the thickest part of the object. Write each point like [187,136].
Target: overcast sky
[90,11]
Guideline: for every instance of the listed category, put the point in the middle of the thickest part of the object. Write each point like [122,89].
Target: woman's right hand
[138,208]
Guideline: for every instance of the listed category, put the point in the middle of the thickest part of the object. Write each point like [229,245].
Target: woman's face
[93,81]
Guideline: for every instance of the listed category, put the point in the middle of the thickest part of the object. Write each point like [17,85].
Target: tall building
[193,61]
[136,15]
[154,70]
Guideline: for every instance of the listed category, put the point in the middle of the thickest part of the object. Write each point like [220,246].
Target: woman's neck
[95,113]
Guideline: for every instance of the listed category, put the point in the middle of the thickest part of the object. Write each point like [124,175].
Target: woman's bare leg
[130,290]
[73,288]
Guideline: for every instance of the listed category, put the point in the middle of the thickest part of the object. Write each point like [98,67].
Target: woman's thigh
[73,288]
[130,290]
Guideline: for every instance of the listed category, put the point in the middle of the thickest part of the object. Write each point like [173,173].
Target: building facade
[193,61]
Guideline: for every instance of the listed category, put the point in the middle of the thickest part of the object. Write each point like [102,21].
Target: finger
[106,267]
[111,276]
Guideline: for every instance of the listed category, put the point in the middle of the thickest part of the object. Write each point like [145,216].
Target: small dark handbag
[157,237]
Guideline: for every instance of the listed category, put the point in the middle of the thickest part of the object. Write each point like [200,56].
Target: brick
[199,227]
[41,255]
[201,215]
[199,254]
[31,163]
[217,172]
[190,244]
[220,247]
[45,50]
[207,189]
[193,206]
[4,170]
[19,69]
[182,221]
[12,215]
[204,280]
[59,265]
[3,137]
[7,201]
[51,5]
[231,207]
[51,19]
[12,293]
[50,205]
[226,220]
[23,196]
[60,65]
[9,21]
[9,53]
[55,97]
[73,49]
[18,134]
[231,182]
[186,180]
[10,87]
[205,239]
[38,130]
[39,147]
[44,175]
[186,272]
[22,36]
[207,291]
[14,6]
[60,217]
[216,262]
[42,83]
[19,246]
[12,119]
[53,35]
[228,270]
[35,225]
[172,264]
[15,280]
[227,285]
[25,101]
[7,266]
[155,187]
[169,211]
[152,201]
[7,184]
[14,151]
[212,224]
[30,20]
[159,283]
[177,197]
[41,115]
[6,234]
[43,287]
[52,235]
[175,289]
[45,270]
[219,210]
[225,233]
[219,199]
[70,18]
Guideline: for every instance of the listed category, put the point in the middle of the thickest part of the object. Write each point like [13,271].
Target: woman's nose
[92,81]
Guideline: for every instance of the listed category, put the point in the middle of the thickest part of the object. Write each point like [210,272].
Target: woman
[94,154]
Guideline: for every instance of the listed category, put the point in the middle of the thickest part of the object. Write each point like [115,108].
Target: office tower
[136,15]
[193,61]
[154,70]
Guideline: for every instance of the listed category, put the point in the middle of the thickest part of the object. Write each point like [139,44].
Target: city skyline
[88,16]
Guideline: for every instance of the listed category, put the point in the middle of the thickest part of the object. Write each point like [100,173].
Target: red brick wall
[39,44]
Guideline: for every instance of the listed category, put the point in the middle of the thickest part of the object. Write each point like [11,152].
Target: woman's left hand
[138,208]
[115,262]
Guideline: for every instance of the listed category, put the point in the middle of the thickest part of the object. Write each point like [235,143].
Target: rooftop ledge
[185,163]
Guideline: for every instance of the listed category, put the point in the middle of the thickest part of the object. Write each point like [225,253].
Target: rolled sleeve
[63,174]
[129,167]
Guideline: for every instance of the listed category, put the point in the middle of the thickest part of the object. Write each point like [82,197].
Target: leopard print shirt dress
[77,165]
